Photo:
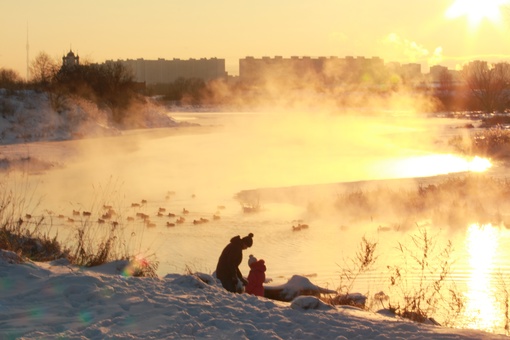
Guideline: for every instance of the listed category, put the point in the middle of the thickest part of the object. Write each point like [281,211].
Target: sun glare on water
[432,165]
[479,164]
[481,245]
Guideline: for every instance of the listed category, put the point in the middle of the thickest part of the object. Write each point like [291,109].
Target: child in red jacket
[256,277]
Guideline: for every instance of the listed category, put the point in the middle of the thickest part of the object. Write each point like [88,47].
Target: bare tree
[446,80]
[489,84]
[9,78]
[445,89]
[43,68]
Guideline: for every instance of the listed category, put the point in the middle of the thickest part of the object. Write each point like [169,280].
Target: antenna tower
[28,68]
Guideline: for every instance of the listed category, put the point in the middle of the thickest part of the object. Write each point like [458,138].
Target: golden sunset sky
[445,32]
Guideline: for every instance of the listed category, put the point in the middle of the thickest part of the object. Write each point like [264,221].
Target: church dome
[70,60]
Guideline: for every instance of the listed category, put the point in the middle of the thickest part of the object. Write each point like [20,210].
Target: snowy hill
[28,116]
[57,300]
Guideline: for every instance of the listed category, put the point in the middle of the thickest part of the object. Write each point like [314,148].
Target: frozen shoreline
[54,300]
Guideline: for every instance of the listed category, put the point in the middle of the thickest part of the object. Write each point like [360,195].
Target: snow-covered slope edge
[29,116]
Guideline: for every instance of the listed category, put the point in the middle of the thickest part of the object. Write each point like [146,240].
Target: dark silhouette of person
[227,270]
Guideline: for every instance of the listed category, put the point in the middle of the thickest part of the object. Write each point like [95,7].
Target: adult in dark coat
[227,270]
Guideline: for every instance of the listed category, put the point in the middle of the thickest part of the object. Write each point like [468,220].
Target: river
[201,169]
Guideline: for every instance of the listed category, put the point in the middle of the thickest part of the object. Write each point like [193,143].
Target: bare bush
[450,202]
[493,142]
[352,269]
[107,238]
[489,84]
[31,236]
[363,261]
[503,289]
[10,79]
[20,230]
[420,285]
[43,69]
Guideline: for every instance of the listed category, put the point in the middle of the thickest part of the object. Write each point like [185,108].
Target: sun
[476,11]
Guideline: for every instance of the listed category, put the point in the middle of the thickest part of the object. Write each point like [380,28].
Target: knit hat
[251,260]
[248,240]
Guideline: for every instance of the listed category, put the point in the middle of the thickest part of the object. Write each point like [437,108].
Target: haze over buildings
[162,71]
[328,70]
[446,32]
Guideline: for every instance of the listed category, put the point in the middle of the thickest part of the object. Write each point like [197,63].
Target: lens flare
[85,317]
[136,266]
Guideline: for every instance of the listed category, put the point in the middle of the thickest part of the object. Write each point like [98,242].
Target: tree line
[109,86]
[483,86]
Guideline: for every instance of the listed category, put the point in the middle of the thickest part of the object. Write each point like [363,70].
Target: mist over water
[250,150]
[206,167]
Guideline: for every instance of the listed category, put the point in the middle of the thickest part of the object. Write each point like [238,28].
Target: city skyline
[444,32]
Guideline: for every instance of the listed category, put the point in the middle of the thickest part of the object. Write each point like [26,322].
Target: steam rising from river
[230,152]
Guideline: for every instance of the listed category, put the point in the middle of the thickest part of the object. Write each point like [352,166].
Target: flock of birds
[107,215]
[110,216]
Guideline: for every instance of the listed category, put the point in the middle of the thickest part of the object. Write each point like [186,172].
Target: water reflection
[436,164]
[482,243]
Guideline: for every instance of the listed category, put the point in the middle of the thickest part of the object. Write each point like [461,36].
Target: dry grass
[90,244]
[503,297]
[420,286]
[453,202]
[419,283]
[493,142]
[21,232]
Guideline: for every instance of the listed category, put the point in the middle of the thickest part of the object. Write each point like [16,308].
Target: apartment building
[163,71]
[325,69]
